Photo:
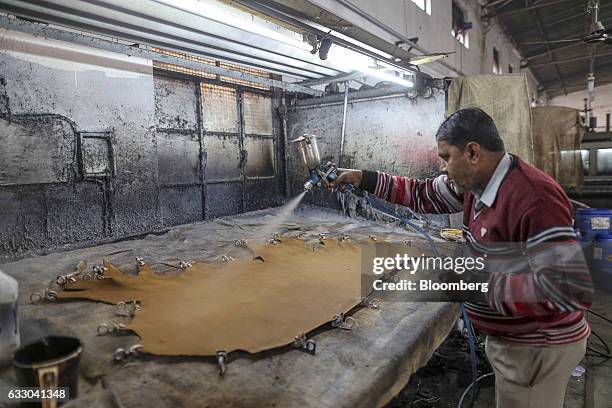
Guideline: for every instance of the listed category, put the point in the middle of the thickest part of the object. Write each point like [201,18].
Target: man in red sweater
[533,315]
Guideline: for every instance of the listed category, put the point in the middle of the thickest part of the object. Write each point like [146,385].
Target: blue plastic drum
[602,253]
[593,221]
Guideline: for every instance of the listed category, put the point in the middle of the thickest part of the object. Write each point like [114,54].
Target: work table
[365,366]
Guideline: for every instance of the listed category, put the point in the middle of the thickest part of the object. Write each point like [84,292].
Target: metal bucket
[49,363]
[9,322]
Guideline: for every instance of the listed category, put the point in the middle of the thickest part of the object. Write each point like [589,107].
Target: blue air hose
[472,342]
[407,222]
[466,319]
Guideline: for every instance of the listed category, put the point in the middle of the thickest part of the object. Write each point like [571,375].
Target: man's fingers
[338,180]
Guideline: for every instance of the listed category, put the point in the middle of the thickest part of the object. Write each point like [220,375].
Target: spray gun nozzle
[308,186]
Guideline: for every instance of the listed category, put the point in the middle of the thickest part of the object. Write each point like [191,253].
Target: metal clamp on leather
[304,344]
[371,303]
[341,322]
[222,362]
[115,328]
[122,354]
[127,308]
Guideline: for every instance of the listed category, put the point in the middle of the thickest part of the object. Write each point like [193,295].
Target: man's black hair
[470,125]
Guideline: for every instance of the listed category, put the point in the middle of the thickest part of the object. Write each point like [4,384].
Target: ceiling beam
[581,78]
[577,87]
[574,16]
[542,32]
[533,6]
[495,3]
[338,78]
[563,20]
[545,53]
[563,61]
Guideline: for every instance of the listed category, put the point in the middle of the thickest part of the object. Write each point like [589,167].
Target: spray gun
[318,174]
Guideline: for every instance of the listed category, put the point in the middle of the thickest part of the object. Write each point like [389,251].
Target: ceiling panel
[155,23]
[546,20]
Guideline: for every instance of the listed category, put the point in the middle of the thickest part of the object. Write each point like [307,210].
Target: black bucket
[49,363]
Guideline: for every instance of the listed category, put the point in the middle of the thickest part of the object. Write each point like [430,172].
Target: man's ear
[473,152]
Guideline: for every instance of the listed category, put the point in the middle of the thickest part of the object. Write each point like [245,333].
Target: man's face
[460,166]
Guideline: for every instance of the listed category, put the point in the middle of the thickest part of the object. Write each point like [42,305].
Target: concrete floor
[442,381]
[601,369]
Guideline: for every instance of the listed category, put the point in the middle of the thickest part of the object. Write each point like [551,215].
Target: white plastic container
[9,324]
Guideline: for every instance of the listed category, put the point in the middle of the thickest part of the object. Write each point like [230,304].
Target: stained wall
[98,146]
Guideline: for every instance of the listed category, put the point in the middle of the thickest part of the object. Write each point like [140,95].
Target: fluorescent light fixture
[349,60]
[339,57]
[387,77]
[215,10]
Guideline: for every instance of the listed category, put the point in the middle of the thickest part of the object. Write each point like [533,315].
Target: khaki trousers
[532,377]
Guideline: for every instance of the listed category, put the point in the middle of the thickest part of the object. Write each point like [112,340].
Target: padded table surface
[366,366]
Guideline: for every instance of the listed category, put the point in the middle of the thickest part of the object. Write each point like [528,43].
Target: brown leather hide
[237,305]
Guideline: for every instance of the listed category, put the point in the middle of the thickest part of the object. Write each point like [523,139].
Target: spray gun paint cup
[49,364]
[309,154]
[309,151]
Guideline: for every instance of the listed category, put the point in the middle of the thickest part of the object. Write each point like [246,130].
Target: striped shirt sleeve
[435,195]
[555,277]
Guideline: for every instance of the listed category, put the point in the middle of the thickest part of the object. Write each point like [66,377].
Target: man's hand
[347,176]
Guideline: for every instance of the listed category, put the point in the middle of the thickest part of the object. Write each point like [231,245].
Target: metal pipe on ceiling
[353,97]
[338,78]
[346,92]
[356,100]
